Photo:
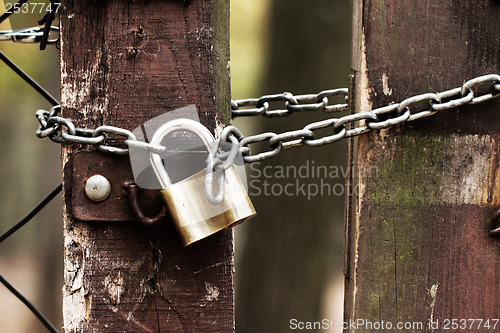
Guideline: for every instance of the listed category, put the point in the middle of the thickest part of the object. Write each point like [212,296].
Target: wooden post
[417,237]
[123,63]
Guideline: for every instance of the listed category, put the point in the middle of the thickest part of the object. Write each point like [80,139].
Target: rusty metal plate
[117,171]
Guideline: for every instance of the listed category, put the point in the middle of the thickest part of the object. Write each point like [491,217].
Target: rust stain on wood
[117,170]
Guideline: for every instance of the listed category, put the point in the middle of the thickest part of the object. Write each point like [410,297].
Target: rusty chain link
[62,130]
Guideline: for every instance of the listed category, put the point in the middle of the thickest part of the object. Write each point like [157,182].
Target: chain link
[310,102]
[232,143]
[409,109]
[63,131]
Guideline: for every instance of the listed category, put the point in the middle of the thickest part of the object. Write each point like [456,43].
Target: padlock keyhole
[184,164]
[185,155]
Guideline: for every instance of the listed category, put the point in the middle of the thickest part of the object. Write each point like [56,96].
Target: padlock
[193,215]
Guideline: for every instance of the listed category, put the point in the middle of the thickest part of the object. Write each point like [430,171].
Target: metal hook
[131,190]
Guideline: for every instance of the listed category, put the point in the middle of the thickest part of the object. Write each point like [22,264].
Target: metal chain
[63,130]
[310,102]
[413,108]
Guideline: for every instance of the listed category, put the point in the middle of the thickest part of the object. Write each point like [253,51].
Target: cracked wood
[123,63]
[418,248]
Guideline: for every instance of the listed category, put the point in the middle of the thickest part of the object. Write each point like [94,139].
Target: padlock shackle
[181,124]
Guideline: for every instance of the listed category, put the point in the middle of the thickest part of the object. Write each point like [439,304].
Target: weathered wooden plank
[417,237]
[125,62]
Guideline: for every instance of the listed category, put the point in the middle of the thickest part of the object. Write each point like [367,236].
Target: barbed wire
[28,35]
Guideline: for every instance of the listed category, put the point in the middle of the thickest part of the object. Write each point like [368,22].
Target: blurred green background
[288,258]
[30,168]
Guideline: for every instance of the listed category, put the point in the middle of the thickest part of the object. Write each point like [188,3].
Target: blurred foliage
[249,31]
[289,254]
[29,170]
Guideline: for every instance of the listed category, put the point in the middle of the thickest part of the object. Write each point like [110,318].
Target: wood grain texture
[125,62]
[418,248]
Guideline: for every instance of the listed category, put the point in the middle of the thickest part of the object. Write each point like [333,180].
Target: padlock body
[195,217]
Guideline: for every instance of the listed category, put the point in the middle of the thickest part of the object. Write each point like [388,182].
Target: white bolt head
[97,188]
